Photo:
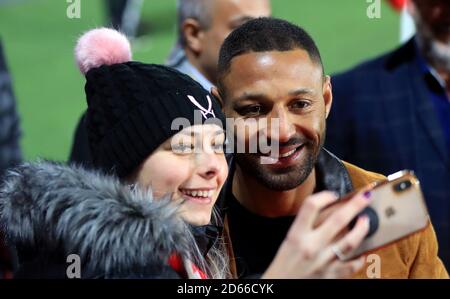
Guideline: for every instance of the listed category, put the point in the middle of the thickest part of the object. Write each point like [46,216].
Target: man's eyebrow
[301,91]
[262,97]
[251,96]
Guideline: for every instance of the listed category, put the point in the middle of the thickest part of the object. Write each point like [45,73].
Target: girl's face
[192,167]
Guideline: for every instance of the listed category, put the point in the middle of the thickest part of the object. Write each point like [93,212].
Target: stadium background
[39,39]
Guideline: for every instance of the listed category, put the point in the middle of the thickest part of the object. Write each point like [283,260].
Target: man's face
[227,15]
[287,88]
[435,14]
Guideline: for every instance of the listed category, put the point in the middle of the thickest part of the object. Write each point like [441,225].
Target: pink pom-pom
[101,46]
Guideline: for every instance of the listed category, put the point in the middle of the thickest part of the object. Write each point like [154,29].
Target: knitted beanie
[131,105]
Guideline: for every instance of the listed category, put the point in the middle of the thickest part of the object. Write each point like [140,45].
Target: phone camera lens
[402,186]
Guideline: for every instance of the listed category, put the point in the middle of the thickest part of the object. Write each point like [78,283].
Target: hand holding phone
[396,211]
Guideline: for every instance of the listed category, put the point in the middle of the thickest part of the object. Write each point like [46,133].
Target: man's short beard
[437,53]
[289,179]
[282,179]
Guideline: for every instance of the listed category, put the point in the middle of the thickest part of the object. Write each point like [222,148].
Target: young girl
[157,138]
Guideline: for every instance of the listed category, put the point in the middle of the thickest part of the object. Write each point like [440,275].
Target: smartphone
[397,210]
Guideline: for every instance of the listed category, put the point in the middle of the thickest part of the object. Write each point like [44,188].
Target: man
[202,27]
[271,70]
[393,112]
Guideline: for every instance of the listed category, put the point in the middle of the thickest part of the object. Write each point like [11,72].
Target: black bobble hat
[131,105]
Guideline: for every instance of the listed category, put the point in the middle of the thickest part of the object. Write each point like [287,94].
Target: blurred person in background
[407,27]
[124,15]
[393,112]
[10,152]
[202,27]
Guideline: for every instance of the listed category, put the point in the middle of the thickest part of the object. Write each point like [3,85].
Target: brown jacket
[412,257]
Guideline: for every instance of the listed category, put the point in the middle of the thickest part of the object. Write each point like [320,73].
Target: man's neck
[197,65]
[265,202]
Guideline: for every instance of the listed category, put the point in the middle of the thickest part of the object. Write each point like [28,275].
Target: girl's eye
[219,147]
[183,148]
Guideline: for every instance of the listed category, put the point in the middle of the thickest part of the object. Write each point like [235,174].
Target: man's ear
[327,95]
[217,96]
[193,34]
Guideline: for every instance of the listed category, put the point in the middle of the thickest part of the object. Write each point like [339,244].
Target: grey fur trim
[52,207]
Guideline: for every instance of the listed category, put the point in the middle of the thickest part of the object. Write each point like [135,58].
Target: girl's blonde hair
[216,262]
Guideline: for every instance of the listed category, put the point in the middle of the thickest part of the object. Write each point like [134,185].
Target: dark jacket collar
[331,175]
[206,236]
[405,54]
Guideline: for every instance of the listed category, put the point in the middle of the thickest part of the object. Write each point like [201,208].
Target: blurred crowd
[387,114]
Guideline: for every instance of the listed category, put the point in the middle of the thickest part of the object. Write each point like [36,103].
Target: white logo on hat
[205,112]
